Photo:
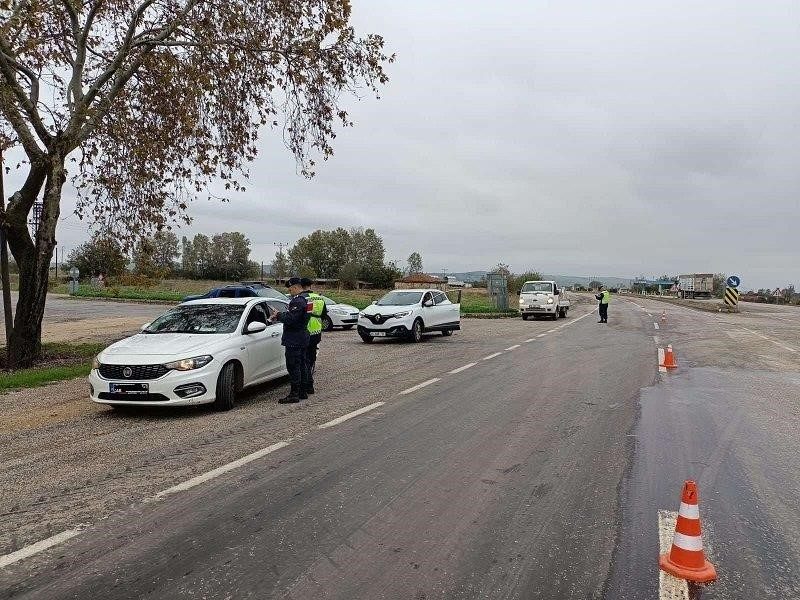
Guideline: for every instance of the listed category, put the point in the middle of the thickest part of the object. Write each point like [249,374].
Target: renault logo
[378,317]
[127,372]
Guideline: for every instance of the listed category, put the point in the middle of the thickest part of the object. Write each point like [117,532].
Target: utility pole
[4,271]
[280,246]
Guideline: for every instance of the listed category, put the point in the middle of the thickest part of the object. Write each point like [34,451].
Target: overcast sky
[578,138]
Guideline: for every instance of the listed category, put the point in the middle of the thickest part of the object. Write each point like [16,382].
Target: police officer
[294,340]
[317,310]
[604,297]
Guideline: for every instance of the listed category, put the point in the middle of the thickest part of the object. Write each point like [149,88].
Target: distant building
[420,281]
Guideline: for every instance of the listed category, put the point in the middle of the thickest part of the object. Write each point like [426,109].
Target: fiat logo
[127,372]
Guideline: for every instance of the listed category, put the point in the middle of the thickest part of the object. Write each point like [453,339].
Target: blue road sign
[733,281]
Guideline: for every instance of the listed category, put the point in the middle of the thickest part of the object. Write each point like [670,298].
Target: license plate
[378,334]
[129,388]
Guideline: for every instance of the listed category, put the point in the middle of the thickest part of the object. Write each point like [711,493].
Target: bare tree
[148,101]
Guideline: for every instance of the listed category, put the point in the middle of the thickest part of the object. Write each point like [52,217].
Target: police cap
[305,282]
[293,281]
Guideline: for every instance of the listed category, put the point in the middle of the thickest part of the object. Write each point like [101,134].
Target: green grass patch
[130,293]
[60,361]
[37,376]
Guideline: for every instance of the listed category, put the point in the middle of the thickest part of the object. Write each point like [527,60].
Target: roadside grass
[60,361]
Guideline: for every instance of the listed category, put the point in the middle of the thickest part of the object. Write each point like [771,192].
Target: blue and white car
[199,352]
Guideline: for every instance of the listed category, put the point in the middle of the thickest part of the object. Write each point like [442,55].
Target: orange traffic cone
[686,559]
[669,359]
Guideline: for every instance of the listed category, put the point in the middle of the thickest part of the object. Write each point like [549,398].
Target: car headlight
[361,314]
[189,364]
[549,300]
[400,315]
[521,301]
[95,363]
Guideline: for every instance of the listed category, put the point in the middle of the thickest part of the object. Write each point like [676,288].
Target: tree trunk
[33,259]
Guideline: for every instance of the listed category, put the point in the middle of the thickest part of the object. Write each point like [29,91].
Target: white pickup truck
[542,298]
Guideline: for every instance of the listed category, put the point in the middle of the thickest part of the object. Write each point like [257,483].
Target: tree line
[221,256]
[349,255]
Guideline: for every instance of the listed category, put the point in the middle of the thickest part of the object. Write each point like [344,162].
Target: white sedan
[339,315]
[199,352]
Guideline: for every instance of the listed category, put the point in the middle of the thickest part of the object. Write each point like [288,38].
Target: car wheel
[366,339]
[416,331]
[226,388]
[327,324]
[447,332]
[347,326]
[525,317]
[555,314]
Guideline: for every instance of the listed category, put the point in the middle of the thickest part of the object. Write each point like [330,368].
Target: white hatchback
[198,352]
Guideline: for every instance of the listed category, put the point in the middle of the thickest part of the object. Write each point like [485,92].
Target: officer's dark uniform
[295,341]
[313,340]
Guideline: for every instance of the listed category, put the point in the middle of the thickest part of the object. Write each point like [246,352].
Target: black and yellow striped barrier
[731,297]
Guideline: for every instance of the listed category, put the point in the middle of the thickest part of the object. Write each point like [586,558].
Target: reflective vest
[315,307]
[606,297]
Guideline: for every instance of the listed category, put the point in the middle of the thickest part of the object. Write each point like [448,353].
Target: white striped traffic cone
[686,559]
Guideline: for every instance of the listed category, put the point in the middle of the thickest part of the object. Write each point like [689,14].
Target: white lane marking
[551,330]
[464,368]
[541,335]
[655,325]
[657,340]
[649,315]
[528,341]
[514,347]
[419,386]
[350,415]
[661,368]
[491,356]
[769,339]
[195,481]
[669,587]
[41,546]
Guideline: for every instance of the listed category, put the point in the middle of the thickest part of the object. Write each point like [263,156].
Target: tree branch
[8,68]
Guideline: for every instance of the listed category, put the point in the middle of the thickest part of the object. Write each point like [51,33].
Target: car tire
[327,324]
[555,314]
[366,339]
[416,331]
[348,327]
[525,317]
[226,388]
[447,332]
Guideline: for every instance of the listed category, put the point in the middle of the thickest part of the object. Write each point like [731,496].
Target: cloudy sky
[583,138]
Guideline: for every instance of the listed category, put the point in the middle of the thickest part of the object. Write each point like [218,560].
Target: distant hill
[614,282]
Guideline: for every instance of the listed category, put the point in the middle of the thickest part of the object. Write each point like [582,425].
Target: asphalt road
[535,473]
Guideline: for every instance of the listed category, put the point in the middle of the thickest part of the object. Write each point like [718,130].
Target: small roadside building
[420,281]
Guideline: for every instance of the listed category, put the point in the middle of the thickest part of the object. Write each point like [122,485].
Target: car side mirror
[145,326]
[556,292]
[255,327]
[427,303]
[374,302]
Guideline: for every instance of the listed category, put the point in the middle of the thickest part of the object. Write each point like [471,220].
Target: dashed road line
[661,369]
[195,481]
[514,347]
[460,369]
[528,341]
[656,325]
[491,356]
[350,415]
[41,546]
[541,335]
[419,386]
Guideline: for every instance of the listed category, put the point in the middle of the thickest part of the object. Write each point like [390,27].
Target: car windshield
[329,301]
[198,318]
[268,292]
[400,299]
[537,287]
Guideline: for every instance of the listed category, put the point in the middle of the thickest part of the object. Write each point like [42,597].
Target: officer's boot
[293,397]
